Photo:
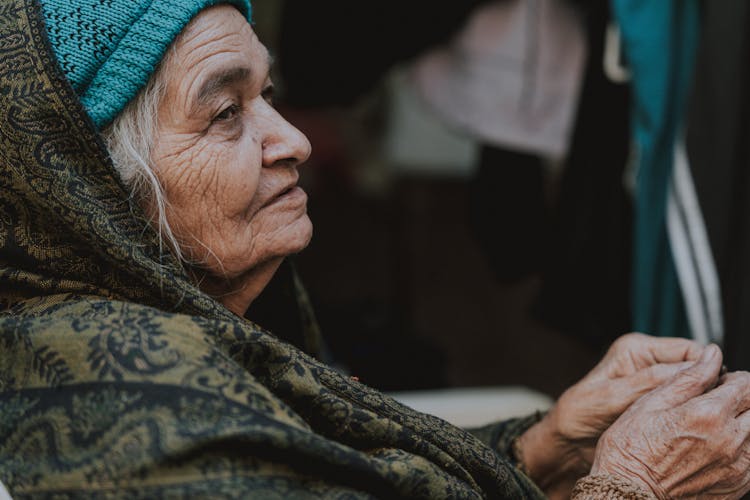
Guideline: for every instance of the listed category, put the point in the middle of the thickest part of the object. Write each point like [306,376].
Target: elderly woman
[148,195]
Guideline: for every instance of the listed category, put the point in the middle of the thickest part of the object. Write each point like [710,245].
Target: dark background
[405,295]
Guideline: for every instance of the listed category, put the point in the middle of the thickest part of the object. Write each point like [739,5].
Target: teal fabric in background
[660,40]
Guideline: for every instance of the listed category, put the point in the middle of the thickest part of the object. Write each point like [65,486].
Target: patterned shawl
[119,378]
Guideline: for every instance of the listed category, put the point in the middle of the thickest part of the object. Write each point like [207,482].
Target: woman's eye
[227,113]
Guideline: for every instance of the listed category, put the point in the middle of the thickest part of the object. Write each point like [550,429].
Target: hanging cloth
[511,77]
[659,41]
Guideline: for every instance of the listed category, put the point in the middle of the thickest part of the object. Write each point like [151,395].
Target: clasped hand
[650,378]
[688,439]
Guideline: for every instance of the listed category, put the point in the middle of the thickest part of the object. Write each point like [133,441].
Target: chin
[291,240]
[302,235]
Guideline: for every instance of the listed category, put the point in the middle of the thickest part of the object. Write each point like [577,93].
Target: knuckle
[626,342]
[632,338]
[616,346]
[703,415]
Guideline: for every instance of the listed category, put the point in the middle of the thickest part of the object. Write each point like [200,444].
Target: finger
[672,350]
[688,383]
[635,351]
[648,379]
[733,394]
[626,390]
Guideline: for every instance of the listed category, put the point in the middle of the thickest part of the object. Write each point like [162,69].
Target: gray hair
[130,141]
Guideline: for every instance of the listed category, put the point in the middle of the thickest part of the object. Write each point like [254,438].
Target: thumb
[689,383]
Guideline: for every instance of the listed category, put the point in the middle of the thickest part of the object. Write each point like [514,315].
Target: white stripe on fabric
[696,268]
[700,243]
[680,245]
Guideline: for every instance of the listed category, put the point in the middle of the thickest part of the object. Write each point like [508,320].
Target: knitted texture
[603,487]
[108,49]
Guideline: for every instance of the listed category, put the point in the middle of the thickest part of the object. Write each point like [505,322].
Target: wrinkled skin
[228,160]
[633,366]
[560,449]
[686,439]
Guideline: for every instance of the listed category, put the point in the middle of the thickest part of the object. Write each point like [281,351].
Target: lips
[287,192]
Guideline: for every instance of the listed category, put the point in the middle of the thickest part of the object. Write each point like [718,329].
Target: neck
[238,293]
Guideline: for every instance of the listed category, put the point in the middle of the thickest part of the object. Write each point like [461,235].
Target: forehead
[218,36]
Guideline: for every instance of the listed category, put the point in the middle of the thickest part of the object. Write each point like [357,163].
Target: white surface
[4,495]
[477,406]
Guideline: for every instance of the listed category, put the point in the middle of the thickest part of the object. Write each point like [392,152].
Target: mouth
[290,193]
[286,191]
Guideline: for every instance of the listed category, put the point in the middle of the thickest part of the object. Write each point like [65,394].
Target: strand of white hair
[129,140]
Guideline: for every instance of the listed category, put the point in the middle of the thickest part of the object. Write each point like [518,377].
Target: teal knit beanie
[108,49]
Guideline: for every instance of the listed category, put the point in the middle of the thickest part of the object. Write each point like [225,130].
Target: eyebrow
[223,78]
[219,80]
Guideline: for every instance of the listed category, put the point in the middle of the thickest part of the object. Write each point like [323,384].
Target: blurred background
[499,188]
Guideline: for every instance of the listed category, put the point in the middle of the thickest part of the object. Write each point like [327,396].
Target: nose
[285,144]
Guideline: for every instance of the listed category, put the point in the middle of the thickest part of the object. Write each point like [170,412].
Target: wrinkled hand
[683,442]
[560,449]
[633,366]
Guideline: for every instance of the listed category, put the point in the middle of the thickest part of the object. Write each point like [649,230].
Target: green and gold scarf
[120,379]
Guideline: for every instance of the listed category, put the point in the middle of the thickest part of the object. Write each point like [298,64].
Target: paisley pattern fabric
[120,379]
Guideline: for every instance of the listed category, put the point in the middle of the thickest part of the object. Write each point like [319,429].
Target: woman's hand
[560,449]
[681,441]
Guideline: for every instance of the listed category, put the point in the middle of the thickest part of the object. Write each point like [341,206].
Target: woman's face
[227,160]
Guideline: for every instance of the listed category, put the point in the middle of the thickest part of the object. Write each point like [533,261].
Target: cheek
[192,169]
[211,186]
